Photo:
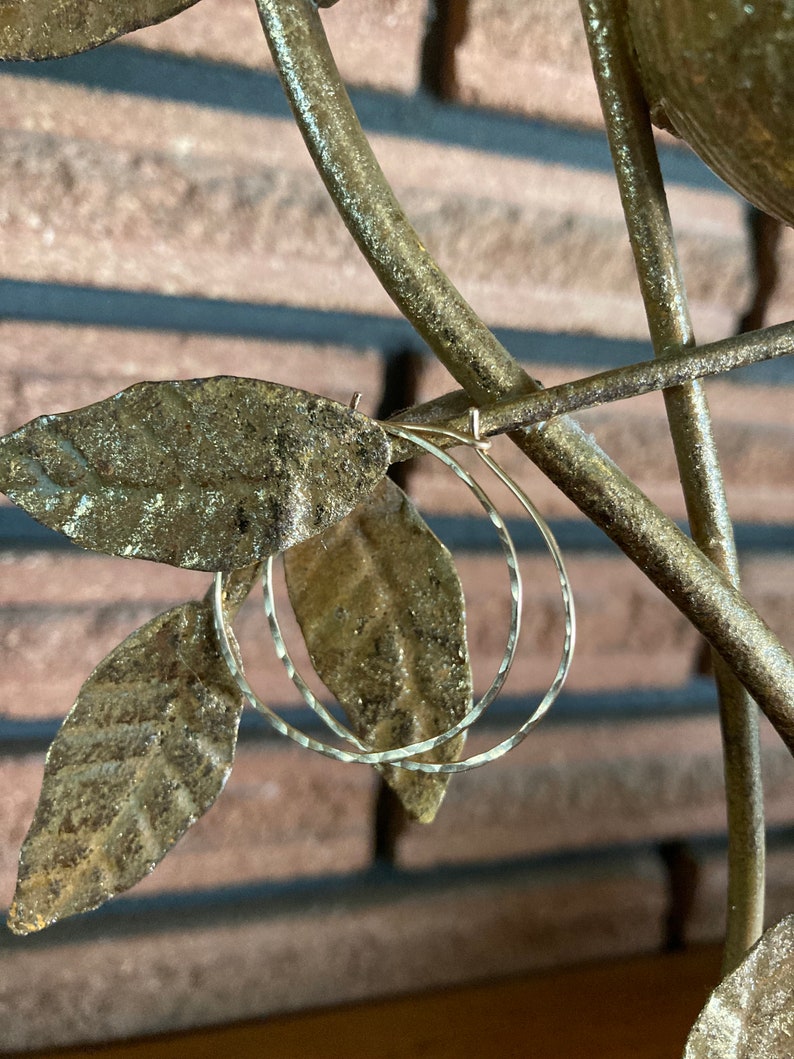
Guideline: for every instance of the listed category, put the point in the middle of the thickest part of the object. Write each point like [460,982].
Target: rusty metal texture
[381,608]
[142,754]
[49,29]
[750,1015]
[209,474]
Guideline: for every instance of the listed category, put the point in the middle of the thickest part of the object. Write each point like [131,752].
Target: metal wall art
[222,474]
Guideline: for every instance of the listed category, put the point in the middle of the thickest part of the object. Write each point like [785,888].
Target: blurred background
[160,218]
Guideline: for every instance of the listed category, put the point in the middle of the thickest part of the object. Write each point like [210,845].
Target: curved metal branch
[487,372]
[653,243]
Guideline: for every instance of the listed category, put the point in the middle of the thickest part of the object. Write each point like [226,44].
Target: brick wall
[159,218]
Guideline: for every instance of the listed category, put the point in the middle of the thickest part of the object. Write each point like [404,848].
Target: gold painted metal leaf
[381,608]
[142,754]
[718,74]
[750,1015]
[209,474]
[49,29]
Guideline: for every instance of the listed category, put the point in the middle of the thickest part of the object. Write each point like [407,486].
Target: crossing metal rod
[487,372]
[661,283]
[615,384]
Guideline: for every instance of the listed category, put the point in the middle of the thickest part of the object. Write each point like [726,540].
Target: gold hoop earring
[404,756]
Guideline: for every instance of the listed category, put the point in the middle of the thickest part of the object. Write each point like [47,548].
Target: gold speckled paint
[750,1015]
[208,474]
[143,753]
[49,29]
[381,608]
[718,73]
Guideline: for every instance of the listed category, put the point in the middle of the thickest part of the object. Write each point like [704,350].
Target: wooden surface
[640,1008]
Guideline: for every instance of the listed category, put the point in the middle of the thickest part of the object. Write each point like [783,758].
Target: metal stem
[662,285]
[487,372]
[616,384]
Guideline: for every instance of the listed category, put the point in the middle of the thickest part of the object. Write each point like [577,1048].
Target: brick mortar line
[50,302]
[376,886]
[379,885]
[164,76]
[19,736]
[466,535]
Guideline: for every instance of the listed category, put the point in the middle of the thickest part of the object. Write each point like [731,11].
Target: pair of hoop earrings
[404,756]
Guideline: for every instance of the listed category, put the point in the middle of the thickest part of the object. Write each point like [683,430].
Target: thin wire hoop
[399,754]
[402,757]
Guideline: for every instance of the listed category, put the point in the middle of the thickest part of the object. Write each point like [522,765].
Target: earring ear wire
[403,756]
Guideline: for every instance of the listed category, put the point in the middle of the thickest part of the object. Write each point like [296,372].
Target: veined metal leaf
[750,1015]
[144,751]
[47,29]
[381,608]
[210,474]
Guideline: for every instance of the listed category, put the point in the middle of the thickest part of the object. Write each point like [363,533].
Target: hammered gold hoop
[404,756]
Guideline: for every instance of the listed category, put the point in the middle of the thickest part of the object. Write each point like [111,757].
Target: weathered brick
[755,443]
[328,951]
[579,785]
[757,457]
[627,632]
[707,918]
[781,306]
[50,654]
[49,648]
[767,584]
[53,368]
[20,781]
[373,45]
[531,245]
[539,49]
[47,580]
[63,613]
[284,813]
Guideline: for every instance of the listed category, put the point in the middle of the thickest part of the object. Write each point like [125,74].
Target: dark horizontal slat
[19,736]
[779,839]
[476,535]
[137,71]
[776,372]
[139,310]
[697,697]
[473,534]
[19,532]
[380,884]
